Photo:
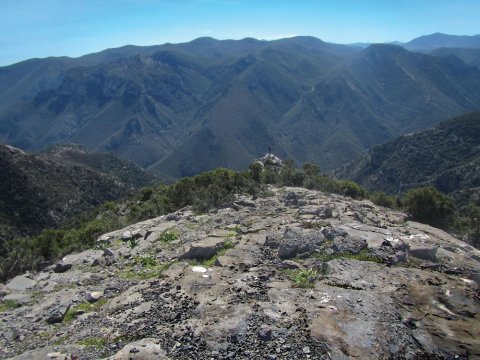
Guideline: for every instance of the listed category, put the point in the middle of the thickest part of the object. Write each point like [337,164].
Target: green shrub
[429,206]
[352,189]
[311,170]
[146,193]
[382,199]
[255,171]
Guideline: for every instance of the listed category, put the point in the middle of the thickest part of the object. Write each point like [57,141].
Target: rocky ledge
[297,275]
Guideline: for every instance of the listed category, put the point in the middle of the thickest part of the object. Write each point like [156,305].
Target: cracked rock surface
[297,275]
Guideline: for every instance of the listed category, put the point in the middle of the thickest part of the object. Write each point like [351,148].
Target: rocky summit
[298,274]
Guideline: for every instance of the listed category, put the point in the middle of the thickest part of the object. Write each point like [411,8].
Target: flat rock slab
[62,352]
[20,283]
[241,256]
[250,307]
[424,252]
[204,249]
[145,349]
[299,241]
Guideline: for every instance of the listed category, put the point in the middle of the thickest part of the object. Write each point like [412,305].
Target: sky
[42,28]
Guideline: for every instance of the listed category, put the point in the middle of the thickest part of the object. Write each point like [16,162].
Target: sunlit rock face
[272,278]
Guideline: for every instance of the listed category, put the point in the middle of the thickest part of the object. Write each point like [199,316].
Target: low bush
[429,206]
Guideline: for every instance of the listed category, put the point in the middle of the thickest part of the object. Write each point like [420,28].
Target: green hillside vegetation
[446,157]
[49,189]
[107,163]
[202,192]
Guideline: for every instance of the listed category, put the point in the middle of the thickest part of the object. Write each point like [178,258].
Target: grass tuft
[86,307]
[168,236]
[303,278]
[144,267]
[93,341]
[9,304]
[211,262]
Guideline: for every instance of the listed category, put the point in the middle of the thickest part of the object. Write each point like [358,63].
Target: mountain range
[180,109]
[446,156]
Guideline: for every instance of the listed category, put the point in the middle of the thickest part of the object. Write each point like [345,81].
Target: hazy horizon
[37,29]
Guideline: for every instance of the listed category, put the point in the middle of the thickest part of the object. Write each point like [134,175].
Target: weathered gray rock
[348,244]
[322,212]
[20,283]
[424,252]
[145,349]
[204,249]
[272,242]
[243,257]
[246,306]
[108,252]
[290,199]
[289,264]
[325,212]
[299,241]
[59,352]
[331,233]
[343,242]
[57,314]
[392,251]
[245,202]
[62,267]
[265,333]
[139,234]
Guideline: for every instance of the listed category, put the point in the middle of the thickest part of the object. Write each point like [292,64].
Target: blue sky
[41,28]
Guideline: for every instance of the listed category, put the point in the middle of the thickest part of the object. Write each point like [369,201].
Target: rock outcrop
[276,280]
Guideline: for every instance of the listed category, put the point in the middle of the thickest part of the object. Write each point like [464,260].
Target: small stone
[265,333]
[289,264]
[272,242]
[306,350]
[108,252]
[93,296]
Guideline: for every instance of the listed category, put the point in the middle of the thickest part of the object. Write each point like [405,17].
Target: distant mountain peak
[439,40]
